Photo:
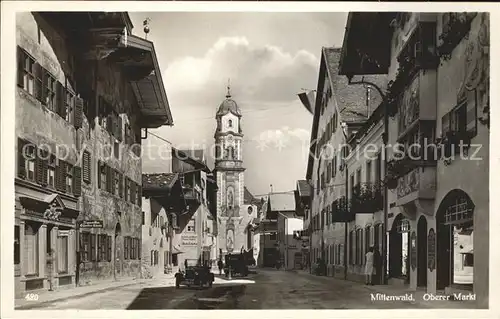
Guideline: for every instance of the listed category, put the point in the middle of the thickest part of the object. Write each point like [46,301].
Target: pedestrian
[369,266]
[185,264]
[220,264]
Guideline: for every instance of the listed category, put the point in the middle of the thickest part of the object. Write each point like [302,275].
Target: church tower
[229,172]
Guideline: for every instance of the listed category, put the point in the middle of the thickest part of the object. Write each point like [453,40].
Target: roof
[198,155]
[282,202]
[367,43]
[185,156]
[159,180]
[228,105]
[304,188]
[249,199]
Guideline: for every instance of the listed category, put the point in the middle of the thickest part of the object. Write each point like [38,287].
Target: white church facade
[237,209]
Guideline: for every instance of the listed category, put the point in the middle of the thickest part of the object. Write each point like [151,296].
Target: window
[368,171]
[272,236]
[69,178]
[30,158]
[230,123]
[191,226]
[85,247]
[126,247]
[17,253]
[359,247]
[116,150]
[51,171]
[31,250]
[102,174]
[116,189]
[49,96]
[352,246]
[62,254]
[93,244]
[69,106]
[468,260]
[367,238]
[143,218]
[26,72]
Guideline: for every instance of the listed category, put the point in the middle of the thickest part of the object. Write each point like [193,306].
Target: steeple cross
[228,95]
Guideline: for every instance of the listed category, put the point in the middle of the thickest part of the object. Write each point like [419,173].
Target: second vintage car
[194,275]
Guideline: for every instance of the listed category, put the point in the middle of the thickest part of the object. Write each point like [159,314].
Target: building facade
[340,110]
[439,94]
[79,116]
[290,247]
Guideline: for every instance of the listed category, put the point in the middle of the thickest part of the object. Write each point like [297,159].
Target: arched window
[230,123]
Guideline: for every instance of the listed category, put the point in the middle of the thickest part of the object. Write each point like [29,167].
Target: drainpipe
[346,224]
[384,159]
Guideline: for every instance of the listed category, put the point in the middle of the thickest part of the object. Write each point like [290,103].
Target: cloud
[281,138]
[265,73]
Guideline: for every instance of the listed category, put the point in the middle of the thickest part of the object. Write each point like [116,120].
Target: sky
[268,57]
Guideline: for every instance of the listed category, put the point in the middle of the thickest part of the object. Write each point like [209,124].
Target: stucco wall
[37,123]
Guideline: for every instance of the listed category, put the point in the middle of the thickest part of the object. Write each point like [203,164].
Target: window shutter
[132,192]
[120,186]
[77,181]
[471,113]
[99,247]
[126,186]
[61,99]
[39,175]
[109,124]
[21,162]
[86,166]
[119,128]
[39,83]
[92,247]
[78,115]
[139,193]
[21,60]
[109,179]
[99,167]
[125,244]
[445,124]
[109,244]
[60,172]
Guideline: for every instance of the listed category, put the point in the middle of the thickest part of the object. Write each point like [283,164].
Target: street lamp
[384,158]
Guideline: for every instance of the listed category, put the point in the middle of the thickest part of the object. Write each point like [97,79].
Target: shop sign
[413,250]
[431,250]
[189,240]
[91,224]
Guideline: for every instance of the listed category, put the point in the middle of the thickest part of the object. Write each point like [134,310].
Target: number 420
[31,297]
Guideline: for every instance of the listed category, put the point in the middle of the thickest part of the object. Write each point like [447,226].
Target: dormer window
[230,123]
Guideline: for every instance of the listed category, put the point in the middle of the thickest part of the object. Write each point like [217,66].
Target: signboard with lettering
[91,224]
[189,240]
[431,250]
[413,250]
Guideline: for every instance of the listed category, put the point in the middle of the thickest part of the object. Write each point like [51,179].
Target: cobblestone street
[267,289]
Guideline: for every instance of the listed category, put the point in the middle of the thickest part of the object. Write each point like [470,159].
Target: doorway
[422,252]
[118,251]
[454,223]
[398,249]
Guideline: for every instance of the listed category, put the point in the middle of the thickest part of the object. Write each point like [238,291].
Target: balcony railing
[366,199]
[340,211]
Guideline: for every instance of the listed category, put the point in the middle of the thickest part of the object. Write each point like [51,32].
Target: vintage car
[194,275]
[238,263]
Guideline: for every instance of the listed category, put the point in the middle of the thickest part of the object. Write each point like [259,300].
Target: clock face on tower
[230,138]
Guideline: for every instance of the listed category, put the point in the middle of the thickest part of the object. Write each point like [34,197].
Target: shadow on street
[224,296]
